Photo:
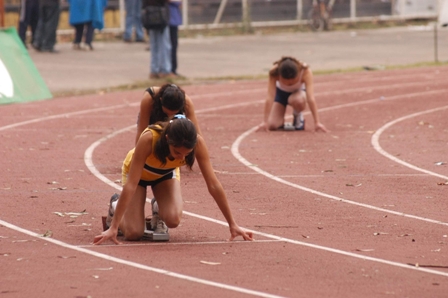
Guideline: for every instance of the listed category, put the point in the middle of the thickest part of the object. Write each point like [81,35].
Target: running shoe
[111,212]
[298,121]
[157,225]
[288,126]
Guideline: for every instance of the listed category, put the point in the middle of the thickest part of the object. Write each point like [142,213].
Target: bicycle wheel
[315,21]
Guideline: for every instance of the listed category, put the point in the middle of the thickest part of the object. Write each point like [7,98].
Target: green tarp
[20,80]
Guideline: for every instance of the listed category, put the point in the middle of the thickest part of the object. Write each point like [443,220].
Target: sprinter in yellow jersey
[154,162]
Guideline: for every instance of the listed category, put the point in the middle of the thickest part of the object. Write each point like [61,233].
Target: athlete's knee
[173,219]
[272,126]
[172,223]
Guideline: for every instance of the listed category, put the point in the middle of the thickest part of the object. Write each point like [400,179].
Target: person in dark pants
[160,43]
[88,38]
[29,16]
[85,18]
[175,22]
[47,25]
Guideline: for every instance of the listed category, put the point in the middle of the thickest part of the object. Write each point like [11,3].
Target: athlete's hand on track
[106,235]
[262,127]
[237,231]
[321,127]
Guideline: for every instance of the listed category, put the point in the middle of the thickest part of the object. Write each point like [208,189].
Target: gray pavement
[114,64]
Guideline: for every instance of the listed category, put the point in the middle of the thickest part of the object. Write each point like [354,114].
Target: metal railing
[202,14]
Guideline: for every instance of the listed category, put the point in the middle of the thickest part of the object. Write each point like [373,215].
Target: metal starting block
[148,235]
[288,126]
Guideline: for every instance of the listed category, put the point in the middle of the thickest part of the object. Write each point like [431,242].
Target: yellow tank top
[153,169]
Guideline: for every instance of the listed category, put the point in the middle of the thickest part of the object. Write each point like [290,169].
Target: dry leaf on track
[210,263]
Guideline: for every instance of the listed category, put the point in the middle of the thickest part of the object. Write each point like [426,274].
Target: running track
[357,212]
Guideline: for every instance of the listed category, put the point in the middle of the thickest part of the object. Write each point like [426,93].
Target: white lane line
[188,213]
[235,146]
[330,84]
[61,116]
[328,176]
[189,243]
[376,100]
[376,143]
[237,155]
[88,161]
[234,149]
[205,110]
[140,266]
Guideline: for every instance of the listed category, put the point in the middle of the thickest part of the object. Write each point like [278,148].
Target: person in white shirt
[290,83]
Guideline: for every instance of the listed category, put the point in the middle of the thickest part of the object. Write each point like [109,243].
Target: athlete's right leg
[169,200]
[297,101]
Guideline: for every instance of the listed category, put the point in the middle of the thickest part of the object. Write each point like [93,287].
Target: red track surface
[341,214]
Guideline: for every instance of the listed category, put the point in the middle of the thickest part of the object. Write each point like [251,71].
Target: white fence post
[122,12]
[353,9]
[246,16]
[222,5]
[299,9]
[185,13]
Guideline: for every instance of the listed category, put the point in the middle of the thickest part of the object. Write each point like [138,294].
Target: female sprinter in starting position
[290,83]
[161,104]
[155,161]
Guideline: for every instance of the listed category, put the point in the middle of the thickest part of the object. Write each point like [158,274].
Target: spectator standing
[133,20]
[175,22]
[29,17]
[160,44]
[86,16]
[45,38]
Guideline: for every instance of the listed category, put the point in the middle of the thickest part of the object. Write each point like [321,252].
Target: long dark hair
[288,67]
[181,133]
[169,96]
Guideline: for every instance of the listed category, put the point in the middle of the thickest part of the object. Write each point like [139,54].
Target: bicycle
[320,15]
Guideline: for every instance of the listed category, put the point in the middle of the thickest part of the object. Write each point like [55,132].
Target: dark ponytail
[287,67]
[169,96]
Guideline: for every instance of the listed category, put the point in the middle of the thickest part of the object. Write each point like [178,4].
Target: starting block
[148,235]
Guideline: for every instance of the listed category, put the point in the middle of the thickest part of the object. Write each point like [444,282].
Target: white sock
[155,207]
[114,205]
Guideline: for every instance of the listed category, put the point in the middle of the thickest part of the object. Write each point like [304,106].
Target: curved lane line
[139,266]
[61,116]
[89,160]
[237,155]
[235,145]
[376,143]
[95,172]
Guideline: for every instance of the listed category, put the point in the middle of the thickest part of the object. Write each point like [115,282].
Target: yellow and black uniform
[154,171]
